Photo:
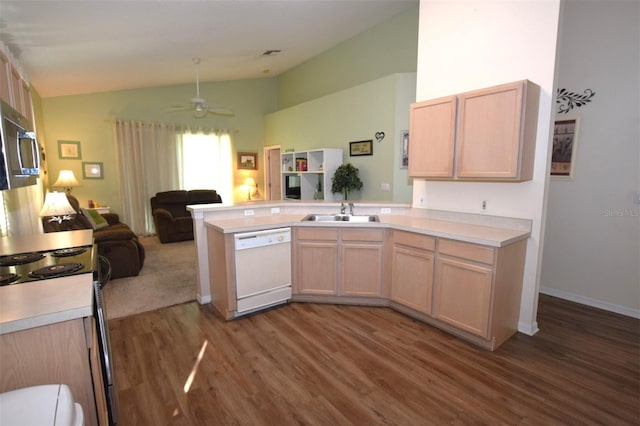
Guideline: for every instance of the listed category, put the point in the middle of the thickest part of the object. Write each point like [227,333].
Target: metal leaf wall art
[568,100]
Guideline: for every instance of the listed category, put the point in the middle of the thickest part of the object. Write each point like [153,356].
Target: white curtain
[152,158]
[147,162]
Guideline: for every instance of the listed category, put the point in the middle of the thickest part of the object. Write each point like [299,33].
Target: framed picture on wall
[248,161]
[404,149]
[361,148]
[92,170]
[69,150]
[565,144]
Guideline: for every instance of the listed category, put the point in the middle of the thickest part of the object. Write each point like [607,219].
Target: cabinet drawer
[469,251]
[362,235]
[325,234]
[414,240]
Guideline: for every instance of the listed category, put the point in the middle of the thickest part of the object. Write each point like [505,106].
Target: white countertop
[44,302]
[495,236]
[39,303]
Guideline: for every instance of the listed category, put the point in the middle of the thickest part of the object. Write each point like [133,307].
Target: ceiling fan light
[199,113]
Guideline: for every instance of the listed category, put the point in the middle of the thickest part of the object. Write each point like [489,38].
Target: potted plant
[345,179]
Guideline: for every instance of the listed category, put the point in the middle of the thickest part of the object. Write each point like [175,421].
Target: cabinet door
[489,133]
[361,260]
[462,294]
[316,261]
[16,90]
[412,278]
[361,269]
[26,101]
[432,138]
[5,78]
[318,267]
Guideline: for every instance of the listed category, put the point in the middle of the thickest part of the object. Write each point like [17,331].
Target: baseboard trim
[622,310]
[528,329]
[203,299]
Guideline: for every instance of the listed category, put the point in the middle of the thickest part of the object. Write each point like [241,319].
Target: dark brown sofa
[170,215]
[116,241]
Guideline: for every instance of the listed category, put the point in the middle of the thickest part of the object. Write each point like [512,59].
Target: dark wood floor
[334,365]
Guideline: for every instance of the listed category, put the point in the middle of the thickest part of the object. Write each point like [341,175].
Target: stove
[34,266]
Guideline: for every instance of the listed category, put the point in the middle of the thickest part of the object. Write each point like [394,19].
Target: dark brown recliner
[170,215]
[117,242]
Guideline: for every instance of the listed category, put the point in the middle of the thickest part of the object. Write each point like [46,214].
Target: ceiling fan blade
[178,108]
[225,112]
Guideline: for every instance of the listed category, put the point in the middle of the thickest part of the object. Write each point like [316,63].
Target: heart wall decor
[379,136]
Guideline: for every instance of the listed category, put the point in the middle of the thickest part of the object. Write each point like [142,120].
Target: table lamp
[250,183]
[67,180]
[57,208]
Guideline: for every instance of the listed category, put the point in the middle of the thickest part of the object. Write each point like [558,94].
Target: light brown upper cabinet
[482,135]
[5,81]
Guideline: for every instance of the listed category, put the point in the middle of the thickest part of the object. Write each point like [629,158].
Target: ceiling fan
[199,105]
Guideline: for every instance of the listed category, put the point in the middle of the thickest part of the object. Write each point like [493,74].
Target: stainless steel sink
[340,218]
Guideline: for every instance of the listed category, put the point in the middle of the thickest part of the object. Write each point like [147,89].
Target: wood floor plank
[310,364]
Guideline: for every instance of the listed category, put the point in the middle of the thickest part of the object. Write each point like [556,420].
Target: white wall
[466,45]
[591,249]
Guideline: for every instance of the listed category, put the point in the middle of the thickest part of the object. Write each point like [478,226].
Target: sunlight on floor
[194,370]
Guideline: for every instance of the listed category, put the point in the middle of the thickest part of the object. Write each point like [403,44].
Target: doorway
[272,173]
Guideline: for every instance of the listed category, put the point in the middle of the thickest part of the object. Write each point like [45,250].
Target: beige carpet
[167,278]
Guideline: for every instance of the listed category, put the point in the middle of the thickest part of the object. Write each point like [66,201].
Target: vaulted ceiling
[84,46]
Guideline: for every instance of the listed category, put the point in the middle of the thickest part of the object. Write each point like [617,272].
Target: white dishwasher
[263,269]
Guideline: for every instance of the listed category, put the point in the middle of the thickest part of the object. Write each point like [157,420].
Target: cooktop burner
[68,252]
[56,270]
[20,259]
[8,278]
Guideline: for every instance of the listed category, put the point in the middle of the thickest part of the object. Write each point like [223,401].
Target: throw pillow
[96,219]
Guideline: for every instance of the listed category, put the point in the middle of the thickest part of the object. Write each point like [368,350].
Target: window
[207,163]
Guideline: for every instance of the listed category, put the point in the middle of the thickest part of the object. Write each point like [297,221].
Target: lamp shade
[66,179]
[56,204]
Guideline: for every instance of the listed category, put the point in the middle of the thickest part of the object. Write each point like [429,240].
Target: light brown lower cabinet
[477,289]
[315,261]
[66,353]
[338,262]
[412,270]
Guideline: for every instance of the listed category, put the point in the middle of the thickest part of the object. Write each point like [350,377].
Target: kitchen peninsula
[460,272]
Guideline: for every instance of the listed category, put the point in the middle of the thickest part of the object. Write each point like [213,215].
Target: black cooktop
[27,267]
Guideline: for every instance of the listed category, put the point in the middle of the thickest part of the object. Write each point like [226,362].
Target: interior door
[273,174]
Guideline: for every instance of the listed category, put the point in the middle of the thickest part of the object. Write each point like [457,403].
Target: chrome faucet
[343,208]
[351,209]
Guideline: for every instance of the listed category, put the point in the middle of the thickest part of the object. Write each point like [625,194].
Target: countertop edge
[235,225]
[44,320]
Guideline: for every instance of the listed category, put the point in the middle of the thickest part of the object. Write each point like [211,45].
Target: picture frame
[247,161]
[69,150]
[359,148]
[404,149]
[565,145]
[92,170]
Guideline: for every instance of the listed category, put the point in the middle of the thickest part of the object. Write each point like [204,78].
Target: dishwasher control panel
[267,237]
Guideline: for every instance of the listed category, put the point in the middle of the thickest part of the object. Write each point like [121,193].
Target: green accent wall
[88,119]
[354,114]
[388,48]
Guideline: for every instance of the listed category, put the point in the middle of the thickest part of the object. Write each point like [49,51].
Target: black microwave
[20,159]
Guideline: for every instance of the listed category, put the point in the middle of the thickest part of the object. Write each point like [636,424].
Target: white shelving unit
[314,168]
